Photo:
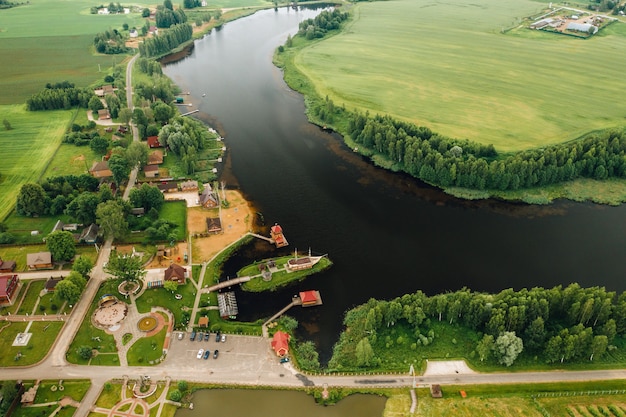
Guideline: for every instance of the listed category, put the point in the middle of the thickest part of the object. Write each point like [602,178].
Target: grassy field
[31,143]
[449,67]
[44,335]
[147,349]
[176,212]
[71,160]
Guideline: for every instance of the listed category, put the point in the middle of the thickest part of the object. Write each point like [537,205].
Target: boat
[276,232]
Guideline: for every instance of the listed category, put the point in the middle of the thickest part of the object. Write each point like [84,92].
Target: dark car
[192,337]
[217,352]
[200,336]
[218,336]
[206,336]
[207,353]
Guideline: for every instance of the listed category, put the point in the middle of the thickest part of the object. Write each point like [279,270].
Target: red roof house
[8,285]
[308,297]
[175,273]
[153,142]
[280,343]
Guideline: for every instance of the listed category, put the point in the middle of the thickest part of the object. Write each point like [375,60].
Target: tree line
[110,42]
[185,137]
[59,96]
[166,16]
[556,325]
[163,43]
[321,24]
[449,162]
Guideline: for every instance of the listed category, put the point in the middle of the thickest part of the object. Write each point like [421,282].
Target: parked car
[284,360]
[181,335]
[223,338]
[206,336]
[218,336]
[193,336]
[200,336]
[207,353]
[199,355]
[215,354]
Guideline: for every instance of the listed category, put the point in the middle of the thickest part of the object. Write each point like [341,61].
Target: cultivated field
[449,66]
[27,148]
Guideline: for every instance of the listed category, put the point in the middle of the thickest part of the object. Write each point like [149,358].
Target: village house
[175,273]
[51,284]
[8,287]
[190,185]
[213,225]
[151,171]
[153,142]
[167,186]
[155,157]
[100,170]
[103,114]
[39,260]
[6,266]
[89,234]
[208,199]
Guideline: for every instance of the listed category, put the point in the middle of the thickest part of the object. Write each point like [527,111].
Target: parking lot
[242,355]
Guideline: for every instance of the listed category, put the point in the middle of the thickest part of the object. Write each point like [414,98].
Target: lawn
[147,350]
[32,294]
[280,278]
[87,334]
[44,335]
[448,66]
[22,226]
[71,160]
[76,389]
[176,212]
[162,297]
[33,140]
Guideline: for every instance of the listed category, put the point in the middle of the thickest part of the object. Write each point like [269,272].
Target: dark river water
[386,233]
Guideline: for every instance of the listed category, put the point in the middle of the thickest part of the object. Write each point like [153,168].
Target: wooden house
[151,171]
[155,157]
[7,266]
[39,260]
[213,225]
[8,288]
[175,273]
[100,170]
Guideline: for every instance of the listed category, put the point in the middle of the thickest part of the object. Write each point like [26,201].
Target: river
[386,233]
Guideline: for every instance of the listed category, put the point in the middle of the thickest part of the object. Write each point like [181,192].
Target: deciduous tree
[61,245]
[126,267]
[507,347]
[31,201]
[111,217]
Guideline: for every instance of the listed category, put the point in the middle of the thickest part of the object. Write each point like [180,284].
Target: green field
[31,143]
[446,65]
[44,335]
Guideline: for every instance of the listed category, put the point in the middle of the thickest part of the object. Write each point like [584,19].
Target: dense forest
[63,95]
[555,325]
[163,43]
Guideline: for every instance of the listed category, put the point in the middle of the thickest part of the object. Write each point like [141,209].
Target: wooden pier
[190,112]
[227,283]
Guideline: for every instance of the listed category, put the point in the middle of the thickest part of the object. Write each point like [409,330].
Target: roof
[89,234]
[155,157]
[100,169]
[213,224]
[581,27]
[167,185]
[276,228]
[280,343]
[7,265]
[174,272]
[150,168]
[188,184]
[153,142]
[39,258]
[203,322]
[308,297]
[5,280]
[52,283]
[208,197]
[58,226]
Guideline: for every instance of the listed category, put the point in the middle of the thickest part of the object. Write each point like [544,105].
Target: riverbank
[328,115]
[278,275]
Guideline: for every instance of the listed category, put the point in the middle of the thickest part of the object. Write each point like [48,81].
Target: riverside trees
[555,325]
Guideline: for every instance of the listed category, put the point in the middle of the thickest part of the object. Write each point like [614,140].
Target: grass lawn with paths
[43,336]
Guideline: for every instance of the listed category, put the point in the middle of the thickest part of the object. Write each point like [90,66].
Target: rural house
[151,171]
[167,186]
[100,170]
[175,273]
[153,142]
[6,266]
[8,287]
[213,225]
[189,185]
[155,157]
[280,343]
[39,260]
[208,199]
[89,234]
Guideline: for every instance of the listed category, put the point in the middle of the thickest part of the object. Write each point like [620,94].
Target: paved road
[129,103]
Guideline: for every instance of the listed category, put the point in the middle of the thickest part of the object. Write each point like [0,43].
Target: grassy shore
[450,68]
[281,277]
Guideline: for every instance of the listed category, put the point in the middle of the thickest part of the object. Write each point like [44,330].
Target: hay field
[27,148]
[447,65]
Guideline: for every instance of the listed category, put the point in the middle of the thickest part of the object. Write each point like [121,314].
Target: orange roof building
[280,343]
[308,297]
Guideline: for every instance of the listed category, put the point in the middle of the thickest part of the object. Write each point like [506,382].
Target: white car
[223,338]
[199,355]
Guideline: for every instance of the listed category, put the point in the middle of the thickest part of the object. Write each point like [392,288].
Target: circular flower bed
[147,324]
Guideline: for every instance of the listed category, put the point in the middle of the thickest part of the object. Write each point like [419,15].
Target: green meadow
[449,66]
[27,148]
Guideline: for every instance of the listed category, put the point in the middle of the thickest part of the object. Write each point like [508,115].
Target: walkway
[294,302]
[225,284]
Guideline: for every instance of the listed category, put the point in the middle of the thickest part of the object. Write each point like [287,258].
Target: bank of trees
[449,162]
[321,24]
[185,137]
[165,42]
[59,96]
[555,325]
[110,42]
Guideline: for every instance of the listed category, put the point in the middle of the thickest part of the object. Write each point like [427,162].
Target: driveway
[191,197]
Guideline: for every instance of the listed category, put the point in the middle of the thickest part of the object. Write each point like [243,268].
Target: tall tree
[111,217]
[126,267]
[119,168]
[61,245]
[83,266]
[364,353]
[507,348]
[31,201]
[66,290]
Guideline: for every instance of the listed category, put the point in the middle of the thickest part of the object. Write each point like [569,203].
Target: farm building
[6,266]
[582,27]
[541,23]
